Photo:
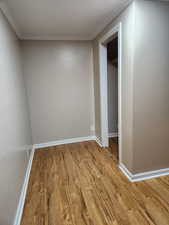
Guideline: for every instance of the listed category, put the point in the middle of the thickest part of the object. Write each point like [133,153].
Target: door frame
[104,86]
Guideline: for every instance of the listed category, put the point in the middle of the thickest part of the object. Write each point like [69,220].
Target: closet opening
[112,93]
[110,62]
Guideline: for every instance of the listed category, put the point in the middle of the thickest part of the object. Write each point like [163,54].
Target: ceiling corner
[7,12]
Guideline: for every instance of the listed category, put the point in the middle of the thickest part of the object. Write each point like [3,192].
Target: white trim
[114,134]
[103,85]
[143,176]
[103,94]
[20,207]
[56,38]
[97,139]
[120,92]
[64,141]
[105,38]
[110,19]
[126,172]
[7,12]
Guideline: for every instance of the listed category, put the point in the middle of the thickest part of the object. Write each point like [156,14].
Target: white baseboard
[64,141]
[132,177]
[126,172]
[143,176]
[97,139]
[20,207]
[114,134]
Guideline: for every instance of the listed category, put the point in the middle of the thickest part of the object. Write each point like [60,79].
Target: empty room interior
[84,105]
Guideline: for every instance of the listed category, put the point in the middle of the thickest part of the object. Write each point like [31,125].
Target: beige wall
[127,19]
[151,87]
[112,79]
[145,89]
[14,124]
[59,80]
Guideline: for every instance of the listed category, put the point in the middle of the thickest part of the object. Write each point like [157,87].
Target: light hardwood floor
[81,184]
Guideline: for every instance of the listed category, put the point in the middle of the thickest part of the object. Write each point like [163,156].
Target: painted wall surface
[96,89]
[59,80]
[112,80]
[127,19]
[145,89]
[151,86]
[15,135]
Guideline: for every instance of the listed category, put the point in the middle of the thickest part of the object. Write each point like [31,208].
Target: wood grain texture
[81,184]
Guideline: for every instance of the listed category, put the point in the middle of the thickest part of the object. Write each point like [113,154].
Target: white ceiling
[62,19]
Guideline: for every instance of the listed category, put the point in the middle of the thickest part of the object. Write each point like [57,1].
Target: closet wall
[112,72]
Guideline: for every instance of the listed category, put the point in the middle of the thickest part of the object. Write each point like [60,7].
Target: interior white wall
[145,92]
[127,19]
[59,80]
[151,86]
[54,117]
[112,80]
[15,135]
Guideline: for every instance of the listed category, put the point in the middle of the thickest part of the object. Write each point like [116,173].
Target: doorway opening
[110,61]
[112,87]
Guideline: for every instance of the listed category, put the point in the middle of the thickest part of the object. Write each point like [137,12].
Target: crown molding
[109,20]
[55,38]
[7,12]
[90,37]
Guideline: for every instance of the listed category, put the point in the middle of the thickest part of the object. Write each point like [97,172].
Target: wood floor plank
[81,184]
